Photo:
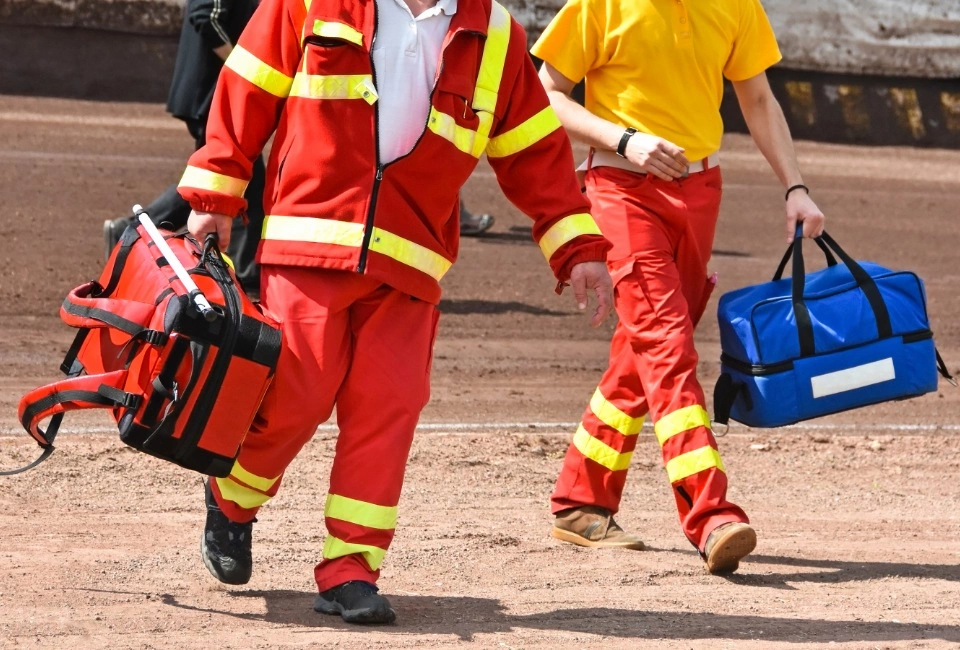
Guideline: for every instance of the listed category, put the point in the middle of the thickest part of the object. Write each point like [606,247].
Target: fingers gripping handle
[199,300]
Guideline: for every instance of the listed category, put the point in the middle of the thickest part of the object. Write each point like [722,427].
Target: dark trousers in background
[171,211]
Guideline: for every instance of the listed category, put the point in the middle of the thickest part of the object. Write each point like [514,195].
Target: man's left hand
[801,208]
[592,276]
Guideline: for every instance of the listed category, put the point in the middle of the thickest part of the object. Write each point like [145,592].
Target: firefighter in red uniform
[381,109]
[654,73]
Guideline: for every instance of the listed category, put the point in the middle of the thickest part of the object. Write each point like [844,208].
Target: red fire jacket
[303,68]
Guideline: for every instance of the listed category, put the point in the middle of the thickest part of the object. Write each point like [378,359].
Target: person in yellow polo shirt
[654,72]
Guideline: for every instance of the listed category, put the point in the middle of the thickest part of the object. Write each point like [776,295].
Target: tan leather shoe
[593,527]
[726,545]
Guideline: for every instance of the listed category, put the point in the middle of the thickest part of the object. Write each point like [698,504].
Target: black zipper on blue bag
[761,369]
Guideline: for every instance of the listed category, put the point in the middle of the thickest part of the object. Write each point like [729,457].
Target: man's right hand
[200,224]
[656,156]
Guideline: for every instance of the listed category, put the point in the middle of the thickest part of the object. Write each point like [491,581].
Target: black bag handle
[864,282]
[831,260]
[725,393]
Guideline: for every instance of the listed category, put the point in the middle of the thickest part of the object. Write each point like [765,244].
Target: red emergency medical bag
[183,361]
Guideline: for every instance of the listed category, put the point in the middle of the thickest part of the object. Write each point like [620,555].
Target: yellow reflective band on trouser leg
[684,419]
[334,547]
[246,497]
[600,452]
[613,417]
[361,513]
[692,463]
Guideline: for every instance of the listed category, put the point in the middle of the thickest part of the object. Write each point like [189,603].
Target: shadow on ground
[472,616]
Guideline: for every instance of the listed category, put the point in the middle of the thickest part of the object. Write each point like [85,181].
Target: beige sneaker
[593,527]
[726,545]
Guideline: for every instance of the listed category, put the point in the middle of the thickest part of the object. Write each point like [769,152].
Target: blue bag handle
[864,282]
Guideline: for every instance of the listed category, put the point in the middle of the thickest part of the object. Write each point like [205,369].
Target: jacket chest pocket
[331,48]
[454,117]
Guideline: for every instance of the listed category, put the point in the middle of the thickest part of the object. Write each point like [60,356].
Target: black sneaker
[225,545]
[357,602]
[112,229]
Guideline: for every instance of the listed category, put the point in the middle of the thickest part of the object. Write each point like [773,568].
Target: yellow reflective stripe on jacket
[334,547]
[519,138]
[259,482]
[341,233]
[321,231]
[466,140]
[613,417]
[692,463]
[410,253]
[334,86]
[205,179]
[361,513]
[599,451]
[484,94]
[258,73]
[337,30]
[240,494]
[684,419]
[492,61]
[565,230]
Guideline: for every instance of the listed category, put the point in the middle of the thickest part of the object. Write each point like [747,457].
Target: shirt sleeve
[573,41]
[209,19]
[755,48]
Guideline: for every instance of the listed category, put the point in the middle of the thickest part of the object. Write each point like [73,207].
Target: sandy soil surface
[857,513]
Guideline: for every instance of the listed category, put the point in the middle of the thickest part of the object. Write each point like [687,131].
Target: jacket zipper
[368,224]
[378,176]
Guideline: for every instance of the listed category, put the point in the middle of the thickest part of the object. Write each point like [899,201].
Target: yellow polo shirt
[658,65]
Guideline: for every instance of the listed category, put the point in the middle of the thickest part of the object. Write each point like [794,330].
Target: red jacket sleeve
[531,156]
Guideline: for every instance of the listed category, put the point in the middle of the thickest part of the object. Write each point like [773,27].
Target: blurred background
[881,72]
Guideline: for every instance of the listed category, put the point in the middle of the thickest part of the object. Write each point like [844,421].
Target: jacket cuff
[593,251]
[231,206]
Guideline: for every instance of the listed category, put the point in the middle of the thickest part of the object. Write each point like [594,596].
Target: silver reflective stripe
[861,376]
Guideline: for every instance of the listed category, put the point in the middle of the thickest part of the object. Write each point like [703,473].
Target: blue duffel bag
[848,335]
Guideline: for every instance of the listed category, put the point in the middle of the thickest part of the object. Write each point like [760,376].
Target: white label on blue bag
[841,381]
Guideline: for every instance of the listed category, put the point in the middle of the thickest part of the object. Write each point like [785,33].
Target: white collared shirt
[406,53]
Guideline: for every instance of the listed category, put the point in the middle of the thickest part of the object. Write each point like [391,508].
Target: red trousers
[352,342]
[662,234]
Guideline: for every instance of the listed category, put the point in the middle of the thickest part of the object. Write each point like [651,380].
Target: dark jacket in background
[207,24]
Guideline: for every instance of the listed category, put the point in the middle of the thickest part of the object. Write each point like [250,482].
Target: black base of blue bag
[849,335]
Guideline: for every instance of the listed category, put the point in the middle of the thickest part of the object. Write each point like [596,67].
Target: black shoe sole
[369,616]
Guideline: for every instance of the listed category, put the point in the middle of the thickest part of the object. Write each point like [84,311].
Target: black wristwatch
[622,147]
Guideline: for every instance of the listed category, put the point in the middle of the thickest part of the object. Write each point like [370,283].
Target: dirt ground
[858,514]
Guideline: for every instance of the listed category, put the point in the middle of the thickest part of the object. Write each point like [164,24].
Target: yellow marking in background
[906,107]
[854,109]
[951,110]
[802,105]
